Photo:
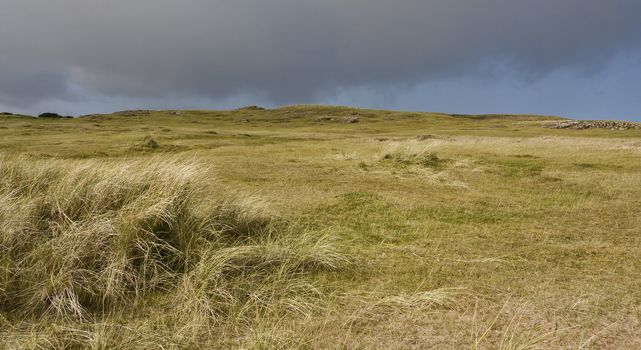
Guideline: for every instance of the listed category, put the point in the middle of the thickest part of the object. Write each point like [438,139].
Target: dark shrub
[50,115]
[251,108]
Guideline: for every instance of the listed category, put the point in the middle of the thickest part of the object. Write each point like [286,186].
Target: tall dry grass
[413,153]
[82,241]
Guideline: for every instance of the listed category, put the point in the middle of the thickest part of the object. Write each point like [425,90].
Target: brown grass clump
[413,153]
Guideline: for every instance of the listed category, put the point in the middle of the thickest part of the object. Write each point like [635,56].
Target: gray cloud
[293,50]
[22,82]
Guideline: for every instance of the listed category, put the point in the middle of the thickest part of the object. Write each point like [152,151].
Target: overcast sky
[578,58]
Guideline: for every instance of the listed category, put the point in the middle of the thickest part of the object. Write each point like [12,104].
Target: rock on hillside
[592,124]
[134,113]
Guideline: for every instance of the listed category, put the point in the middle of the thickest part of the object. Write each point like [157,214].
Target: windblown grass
[82,241]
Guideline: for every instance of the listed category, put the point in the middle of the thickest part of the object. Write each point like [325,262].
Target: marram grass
[82,241]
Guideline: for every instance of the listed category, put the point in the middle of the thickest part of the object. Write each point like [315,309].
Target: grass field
[291,228]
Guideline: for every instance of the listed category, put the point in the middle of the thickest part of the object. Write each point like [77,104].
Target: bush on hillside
[52,115]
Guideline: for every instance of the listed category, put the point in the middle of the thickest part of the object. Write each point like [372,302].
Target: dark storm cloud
[23,82]
[293,50]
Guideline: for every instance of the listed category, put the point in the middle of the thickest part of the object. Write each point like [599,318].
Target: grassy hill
[317,227]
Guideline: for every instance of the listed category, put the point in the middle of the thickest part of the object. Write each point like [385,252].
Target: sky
[574,58]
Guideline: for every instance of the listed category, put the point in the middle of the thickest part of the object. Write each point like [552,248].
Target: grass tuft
[413,153]
[84,240]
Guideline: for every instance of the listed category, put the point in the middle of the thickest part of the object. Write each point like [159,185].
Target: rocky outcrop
[325,118]
[592,124]
[134,113]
